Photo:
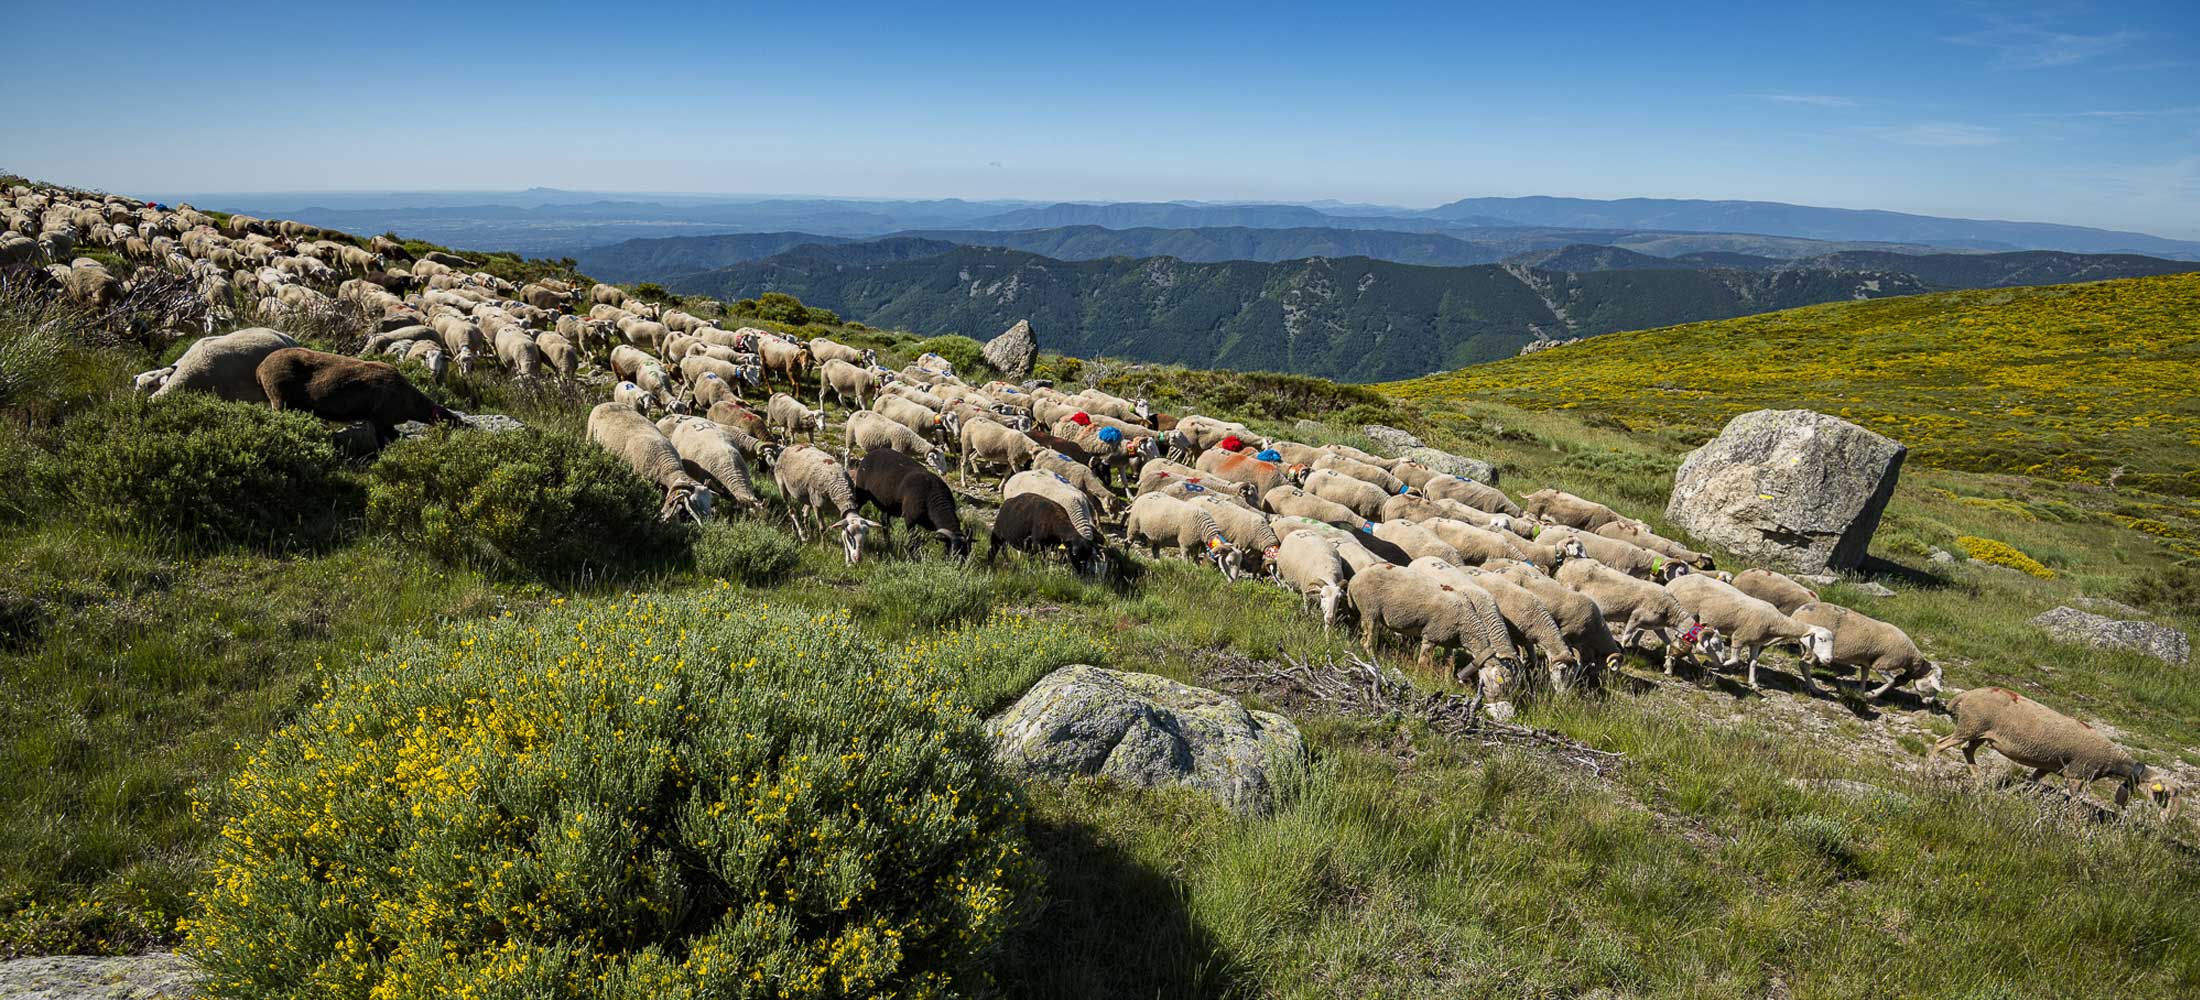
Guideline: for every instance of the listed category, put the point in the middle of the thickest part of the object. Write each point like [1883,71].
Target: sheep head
[151,381]
[690,497]
[1817,645]
[958,544]
[854,530]
[1223,555]
[1328,597]
[1932,683]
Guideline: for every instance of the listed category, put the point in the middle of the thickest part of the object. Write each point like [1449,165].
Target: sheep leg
[1754,652]
[797,521]
[1881,691]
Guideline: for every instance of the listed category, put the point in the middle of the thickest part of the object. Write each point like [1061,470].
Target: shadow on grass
[1109,926]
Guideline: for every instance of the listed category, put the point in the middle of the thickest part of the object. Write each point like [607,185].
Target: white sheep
[869,430]
[627,434]
[226,365]
[810,478]
[1163,521]
[784,412]
[1747,625]
[1310,565]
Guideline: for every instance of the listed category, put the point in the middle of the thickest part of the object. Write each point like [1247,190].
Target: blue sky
[2085,113]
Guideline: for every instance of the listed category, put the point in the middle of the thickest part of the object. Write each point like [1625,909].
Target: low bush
[685,797]
[1995,553]
[199,472]
[2175,589]
[967,355]
[995,662]
[520,504]
[928,593]
[749,552]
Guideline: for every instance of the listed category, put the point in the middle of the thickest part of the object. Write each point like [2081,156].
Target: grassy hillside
[1740,845]
[2084,384]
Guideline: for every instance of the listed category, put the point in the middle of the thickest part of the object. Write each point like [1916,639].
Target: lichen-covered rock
[1453,465]
[487,423]
[1014,350]
[1390,437]
[2159,641]
[1149,731]
[1791,487]
[92,977]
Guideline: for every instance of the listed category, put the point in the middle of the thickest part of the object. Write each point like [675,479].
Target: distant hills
[1349,318]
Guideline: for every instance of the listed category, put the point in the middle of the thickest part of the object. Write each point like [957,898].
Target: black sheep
[1383,549]
[334,387]
[900,488]
[1029,522]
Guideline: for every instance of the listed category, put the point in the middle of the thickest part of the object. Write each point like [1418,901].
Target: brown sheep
[334,387]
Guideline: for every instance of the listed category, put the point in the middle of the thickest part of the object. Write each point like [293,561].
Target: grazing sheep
[1639,534]
[635,397]
[1441,617]
[1160,521]
[1579,621]
[1559,507]
[1628,558]
[915,416]
[88,283]
[871,430]
[1471,493]
[1293,501]
[1194,434]
[711,454]
[987,444]
[151,381]
[2044,740]
[1310,565]
[430,355]
[1369,474]
[1776,589]
[727,413]
[559,354]
[1242,468]
[1475,546]
[1415,507]
[784,412]
[915,395]
[1365,499]
[1526,616]
[1246,529]
[517,352]
[1747,625]
[784,359]
[1032,524]
[826,350]
[1416,541]
[1061,491]
[1869,644]
[606,295]
[1347,542]
[695,366]
[1079,475]
[709,390]
[900,488]
[1158,473]
[1109,448]
[847,382]
[1355,454]
[227,365]
[346,390]
[1639,607]
[810,478]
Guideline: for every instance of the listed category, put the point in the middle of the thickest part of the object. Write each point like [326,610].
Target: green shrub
[201,472]
[967,355]
[2174,589]
[523,504]
[928,593]
[749,552]
[661,798]
[996,662]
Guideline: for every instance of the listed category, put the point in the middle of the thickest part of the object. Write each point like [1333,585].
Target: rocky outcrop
[92,977]
[1390,437]
[1014,351]
[2101,632]
[1794,488]
[1453,465]
[1149,731]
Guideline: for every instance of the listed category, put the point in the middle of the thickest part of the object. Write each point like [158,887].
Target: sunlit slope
[2093,383]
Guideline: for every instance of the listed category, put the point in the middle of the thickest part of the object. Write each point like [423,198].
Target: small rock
[1454,465]
[1942,556]
[1500,711]
[1817,579]
[2159,641]
[1014,350]
[1148,731]
[1792,487]
[93,977]
[1874,589]
[1037,383]
[1391,437]
[487,423]
[1305,426]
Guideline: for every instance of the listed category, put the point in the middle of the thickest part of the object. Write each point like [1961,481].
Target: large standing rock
[1013,351]
[1791,487]
[2101,632]
[1150,731]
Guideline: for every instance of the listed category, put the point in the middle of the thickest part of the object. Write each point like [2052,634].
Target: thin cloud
[1946,134]
[2031,46]
[1814,100]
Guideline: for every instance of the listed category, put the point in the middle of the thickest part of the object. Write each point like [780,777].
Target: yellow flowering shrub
[1987,550]
[523,504]
[693,796]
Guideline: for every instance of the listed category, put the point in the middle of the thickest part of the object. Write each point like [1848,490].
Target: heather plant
[677,797]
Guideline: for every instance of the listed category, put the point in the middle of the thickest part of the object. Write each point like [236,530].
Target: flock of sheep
[1517,596]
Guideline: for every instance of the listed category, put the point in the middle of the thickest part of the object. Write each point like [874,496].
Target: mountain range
[1348,318]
